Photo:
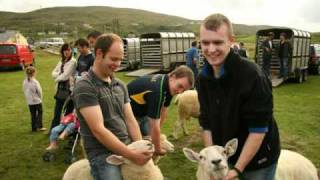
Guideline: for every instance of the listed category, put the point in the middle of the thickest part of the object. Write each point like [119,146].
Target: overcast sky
[300,14]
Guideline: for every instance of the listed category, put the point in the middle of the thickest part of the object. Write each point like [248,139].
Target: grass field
[296,110]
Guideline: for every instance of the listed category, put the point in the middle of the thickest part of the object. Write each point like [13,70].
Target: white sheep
[80,170]
[212,161]
[131,171]
[188,106]
[294,166]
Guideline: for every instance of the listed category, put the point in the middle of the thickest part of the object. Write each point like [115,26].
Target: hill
[78,21]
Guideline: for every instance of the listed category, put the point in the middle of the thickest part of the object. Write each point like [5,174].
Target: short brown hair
[215,21]
[181,72]
[105,41]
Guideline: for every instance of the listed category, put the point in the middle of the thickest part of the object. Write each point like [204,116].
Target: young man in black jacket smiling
[236,101]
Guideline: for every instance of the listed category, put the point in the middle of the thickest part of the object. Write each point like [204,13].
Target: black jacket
[285,50]
[239,101]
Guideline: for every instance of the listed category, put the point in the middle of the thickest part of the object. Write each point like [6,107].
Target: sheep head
[141,145]
[165,144]
[212,160]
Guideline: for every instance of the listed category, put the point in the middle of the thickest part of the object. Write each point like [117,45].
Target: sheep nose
[216,162]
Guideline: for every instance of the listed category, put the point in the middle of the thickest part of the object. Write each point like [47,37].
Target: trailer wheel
[305,75]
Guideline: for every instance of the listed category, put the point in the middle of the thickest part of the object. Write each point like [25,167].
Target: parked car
[16,55]
[314,61]
[46,43]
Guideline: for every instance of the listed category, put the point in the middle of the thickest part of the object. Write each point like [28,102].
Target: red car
[314,61]
[16,55]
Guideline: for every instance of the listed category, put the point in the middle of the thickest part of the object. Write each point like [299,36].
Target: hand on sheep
[232,174]
[140,157]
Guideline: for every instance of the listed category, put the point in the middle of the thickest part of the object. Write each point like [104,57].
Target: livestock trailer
[163,51]
[132,58]
[298,57]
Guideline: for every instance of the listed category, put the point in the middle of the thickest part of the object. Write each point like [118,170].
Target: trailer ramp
[277,81]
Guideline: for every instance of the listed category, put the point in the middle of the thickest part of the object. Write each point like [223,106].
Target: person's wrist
[237,170]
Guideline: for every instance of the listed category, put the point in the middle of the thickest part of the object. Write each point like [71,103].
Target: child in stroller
[68,125]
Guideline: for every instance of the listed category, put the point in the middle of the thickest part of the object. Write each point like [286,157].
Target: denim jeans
[267,173]
[284,66]
[144,125]
[101,170]
[69,128]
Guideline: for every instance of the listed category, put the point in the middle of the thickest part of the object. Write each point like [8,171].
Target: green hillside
[78,21]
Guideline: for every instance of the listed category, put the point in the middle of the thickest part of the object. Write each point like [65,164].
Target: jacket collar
[226,69]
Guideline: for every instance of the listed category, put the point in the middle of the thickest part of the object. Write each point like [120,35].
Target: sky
[299,14]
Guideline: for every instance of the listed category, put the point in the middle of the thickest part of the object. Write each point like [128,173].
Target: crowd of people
[235,98]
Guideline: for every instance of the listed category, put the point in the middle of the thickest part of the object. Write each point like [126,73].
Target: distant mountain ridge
[81,20]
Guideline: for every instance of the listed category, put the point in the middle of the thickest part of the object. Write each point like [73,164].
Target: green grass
[296,110]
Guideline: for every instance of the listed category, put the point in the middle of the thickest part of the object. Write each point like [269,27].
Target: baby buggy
[69,126]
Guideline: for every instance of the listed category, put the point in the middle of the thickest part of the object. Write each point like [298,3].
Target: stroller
[73,138]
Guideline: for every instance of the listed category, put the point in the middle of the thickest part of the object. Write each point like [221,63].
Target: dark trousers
[58,111]
[266,65]
[36,116]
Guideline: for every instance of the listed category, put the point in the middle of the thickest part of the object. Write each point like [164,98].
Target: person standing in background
[63,75]
[192,57]
[33,93]
[284,55]
[267,53]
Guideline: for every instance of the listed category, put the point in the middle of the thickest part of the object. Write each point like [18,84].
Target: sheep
[212,161]
[131,171]
[294,166]
[188,106]
[80,170]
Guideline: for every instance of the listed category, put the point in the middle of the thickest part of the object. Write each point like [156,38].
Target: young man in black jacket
[236,101]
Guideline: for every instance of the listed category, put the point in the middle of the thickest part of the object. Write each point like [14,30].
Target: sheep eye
[202,157]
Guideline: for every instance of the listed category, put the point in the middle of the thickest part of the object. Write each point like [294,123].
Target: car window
[8,49]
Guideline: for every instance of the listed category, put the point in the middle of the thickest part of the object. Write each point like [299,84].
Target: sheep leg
[183,124]
[178,125]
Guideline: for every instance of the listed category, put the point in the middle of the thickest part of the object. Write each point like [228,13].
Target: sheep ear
[191,155]
[115,160]
[231,147]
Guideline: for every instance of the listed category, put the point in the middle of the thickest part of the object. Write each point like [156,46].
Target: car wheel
[22,66]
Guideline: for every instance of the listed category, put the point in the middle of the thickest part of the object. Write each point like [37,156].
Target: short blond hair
[215,21]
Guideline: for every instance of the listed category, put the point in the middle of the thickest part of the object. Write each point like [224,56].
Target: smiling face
[215,44]
[178,85]
[110,62]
